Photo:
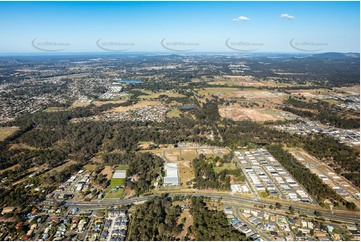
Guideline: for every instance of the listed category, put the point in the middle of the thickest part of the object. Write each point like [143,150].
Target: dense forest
[211,224]
[155,220]
[158,219]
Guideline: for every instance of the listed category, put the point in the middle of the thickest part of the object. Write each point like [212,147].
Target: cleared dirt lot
[245,81]
[237,114]
[251,95]
[355,89]
[225,92]
[108,172]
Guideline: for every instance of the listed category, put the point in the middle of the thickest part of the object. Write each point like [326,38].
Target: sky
[179,27]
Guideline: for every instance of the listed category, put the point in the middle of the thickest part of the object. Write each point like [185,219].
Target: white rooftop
[120,174]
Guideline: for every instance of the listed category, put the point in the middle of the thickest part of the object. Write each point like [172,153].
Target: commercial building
[171,174]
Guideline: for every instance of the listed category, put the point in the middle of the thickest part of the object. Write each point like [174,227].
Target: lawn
[114,194]
[117,182]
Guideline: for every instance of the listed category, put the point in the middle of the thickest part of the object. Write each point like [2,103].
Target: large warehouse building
[171,174]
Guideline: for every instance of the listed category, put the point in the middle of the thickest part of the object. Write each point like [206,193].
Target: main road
[309,209]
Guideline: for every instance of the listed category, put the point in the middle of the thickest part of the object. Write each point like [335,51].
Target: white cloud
[241,18]
[287,16]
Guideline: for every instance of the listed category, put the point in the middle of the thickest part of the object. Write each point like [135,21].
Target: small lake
[188,107]
[130,81]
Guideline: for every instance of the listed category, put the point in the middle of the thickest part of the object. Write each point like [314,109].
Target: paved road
[249,225]
[249,183]
[322,168]
[225,197]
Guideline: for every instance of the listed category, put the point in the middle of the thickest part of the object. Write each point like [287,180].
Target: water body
[130,81]
[188,107]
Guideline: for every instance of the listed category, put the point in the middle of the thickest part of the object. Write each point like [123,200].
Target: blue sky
[141,26]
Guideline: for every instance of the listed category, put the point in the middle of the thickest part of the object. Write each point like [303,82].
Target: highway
[227,198]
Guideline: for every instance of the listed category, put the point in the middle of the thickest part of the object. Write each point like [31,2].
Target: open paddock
[7,131]
[243,94]
[56,109]
[355,89]
[174,113]
[100,103]
[140,104]
[114,194]
[185,173]
[246,81]
[154,95]
[225,166]
[237,113]
[63,166]
[188,155]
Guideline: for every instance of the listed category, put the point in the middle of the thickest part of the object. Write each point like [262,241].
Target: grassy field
[331,101]
[188,155]
[77,104]
[90,168]
[174,113]
[100,103]
[245,81]
[114,182]
[229,166]
[185,172]
[56,109]
[157,94]
[63,166]
[6,132]
[221,91]
[121,167]
[114,194]
[244,94]
[140,104]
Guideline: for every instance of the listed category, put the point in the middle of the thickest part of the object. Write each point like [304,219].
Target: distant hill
[337,55]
